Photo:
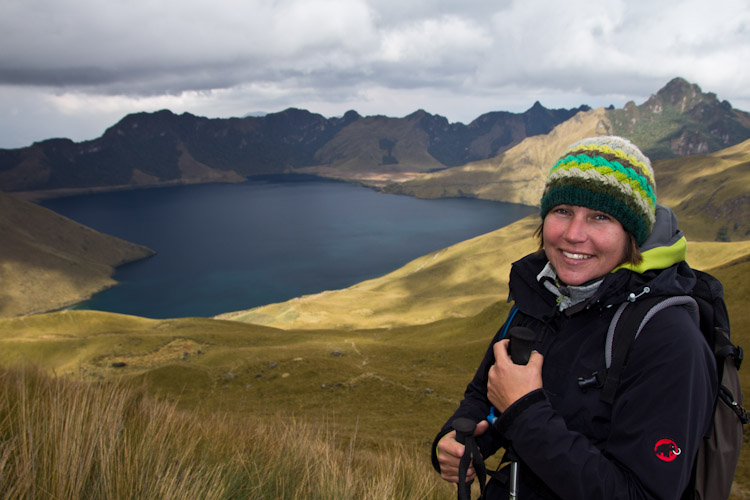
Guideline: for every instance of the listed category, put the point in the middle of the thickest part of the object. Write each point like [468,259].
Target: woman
[603,240]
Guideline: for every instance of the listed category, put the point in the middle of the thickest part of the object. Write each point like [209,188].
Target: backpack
[718,454]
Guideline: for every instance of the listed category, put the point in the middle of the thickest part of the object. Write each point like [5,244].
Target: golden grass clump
[62,438]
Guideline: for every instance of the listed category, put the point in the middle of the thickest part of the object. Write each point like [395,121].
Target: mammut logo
[666,450]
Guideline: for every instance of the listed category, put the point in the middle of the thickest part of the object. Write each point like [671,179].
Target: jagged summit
[679,120]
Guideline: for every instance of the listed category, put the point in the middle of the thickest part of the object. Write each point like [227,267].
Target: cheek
[550,233]
[548,242]
[617,246]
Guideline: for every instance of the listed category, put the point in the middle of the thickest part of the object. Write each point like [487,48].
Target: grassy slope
[48,261]
[709,192]
[393,384]
[63,438]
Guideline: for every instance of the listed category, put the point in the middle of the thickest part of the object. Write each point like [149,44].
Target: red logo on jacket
[666,450]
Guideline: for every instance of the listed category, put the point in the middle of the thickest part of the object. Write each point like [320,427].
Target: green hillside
[679,120]
[353,377]
[710,193]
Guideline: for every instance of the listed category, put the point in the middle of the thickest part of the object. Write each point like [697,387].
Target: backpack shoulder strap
[509,321]
[625,327]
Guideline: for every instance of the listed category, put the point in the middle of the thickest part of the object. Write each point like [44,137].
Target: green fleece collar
[660,257]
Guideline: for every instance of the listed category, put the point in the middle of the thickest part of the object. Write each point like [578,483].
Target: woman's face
[582,244]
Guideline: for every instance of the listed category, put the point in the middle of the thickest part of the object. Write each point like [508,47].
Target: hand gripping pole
[465,435]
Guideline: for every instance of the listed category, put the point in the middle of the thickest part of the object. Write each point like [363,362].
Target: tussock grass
[64,438]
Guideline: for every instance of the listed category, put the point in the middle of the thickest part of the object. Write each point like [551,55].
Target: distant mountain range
[161,148]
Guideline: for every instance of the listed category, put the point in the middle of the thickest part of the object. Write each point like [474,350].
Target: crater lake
[228,247]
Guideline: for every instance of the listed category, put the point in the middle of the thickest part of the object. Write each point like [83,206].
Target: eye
[602,216]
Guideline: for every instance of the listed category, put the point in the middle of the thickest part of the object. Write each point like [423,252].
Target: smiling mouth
[575,256]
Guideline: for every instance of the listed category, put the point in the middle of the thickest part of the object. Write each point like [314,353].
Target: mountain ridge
[515,176]
[163,148]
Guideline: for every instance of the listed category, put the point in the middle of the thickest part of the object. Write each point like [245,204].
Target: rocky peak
[688,120]
[684,95]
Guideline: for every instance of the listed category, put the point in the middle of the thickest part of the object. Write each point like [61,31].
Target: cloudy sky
[72,68]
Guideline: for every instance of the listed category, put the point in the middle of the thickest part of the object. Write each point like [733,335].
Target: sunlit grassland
[64,438]
[709,193]
[395,384]
[238,410]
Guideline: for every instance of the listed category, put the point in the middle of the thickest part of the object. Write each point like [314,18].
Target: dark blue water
[227,247]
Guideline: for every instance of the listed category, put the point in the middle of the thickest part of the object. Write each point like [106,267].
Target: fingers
[536,359]
[501,350]
[450,473]
[450,452]
[501,353]
[481,427]
[507,382]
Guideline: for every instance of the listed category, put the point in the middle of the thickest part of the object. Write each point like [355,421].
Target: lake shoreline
[288,235]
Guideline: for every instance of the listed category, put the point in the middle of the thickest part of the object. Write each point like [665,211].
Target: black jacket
[571,444]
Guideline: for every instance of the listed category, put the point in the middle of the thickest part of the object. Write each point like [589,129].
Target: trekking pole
[464,429]
[521,341]
[465,435]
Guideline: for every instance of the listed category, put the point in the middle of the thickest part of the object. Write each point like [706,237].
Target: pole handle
[464,432]
[464,427]
[521,341]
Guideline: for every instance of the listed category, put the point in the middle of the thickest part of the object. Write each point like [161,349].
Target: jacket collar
[665,247]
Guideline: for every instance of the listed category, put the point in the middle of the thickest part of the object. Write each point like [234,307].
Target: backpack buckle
[595,380]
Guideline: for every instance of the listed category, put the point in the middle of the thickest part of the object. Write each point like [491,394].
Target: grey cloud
[390,56]
[99,53]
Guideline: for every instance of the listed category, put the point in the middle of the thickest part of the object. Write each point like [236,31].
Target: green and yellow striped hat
[606,173]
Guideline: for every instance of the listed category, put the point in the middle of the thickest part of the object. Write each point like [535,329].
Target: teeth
[577,256]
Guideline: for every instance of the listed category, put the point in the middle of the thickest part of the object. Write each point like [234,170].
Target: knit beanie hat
[609,174]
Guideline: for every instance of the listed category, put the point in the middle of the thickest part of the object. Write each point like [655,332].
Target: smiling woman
[599,200]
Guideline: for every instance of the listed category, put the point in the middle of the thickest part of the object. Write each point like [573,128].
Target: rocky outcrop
[681,120]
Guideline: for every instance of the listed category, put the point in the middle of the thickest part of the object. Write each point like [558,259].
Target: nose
[575,232]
